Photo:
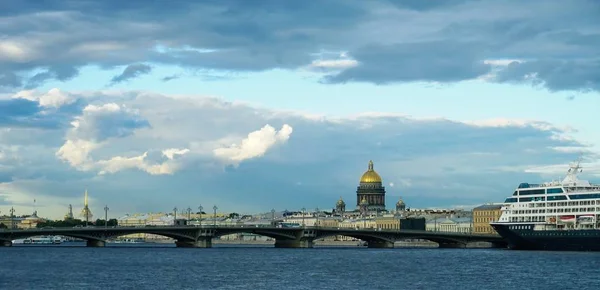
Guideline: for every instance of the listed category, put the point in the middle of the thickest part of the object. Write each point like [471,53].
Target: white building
[450,225]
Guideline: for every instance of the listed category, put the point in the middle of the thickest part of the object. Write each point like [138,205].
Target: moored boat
[558,215]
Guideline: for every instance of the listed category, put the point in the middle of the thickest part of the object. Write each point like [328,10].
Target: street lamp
[12,218]
[303,210]
[106,216]
[189,210]
[175,216]
[273,217]
[200,208]
[215,216]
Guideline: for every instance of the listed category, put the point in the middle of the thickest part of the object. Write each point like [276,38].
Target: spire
[85,199]
[370,165]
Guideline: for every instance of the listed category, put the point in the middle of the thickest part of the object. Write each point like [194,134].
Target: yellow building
[483,215]
[387,223]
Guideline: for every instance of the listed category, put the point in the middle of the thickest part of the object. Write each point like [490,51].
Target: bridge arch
[266,232]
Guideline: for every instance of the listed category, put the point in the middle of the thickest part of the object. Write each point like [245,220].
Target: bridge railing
[243,226]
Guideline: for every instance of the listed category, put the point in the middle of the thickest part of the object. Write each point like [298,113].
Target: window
[557,197]
[554,190]
[584,196]
[531,192]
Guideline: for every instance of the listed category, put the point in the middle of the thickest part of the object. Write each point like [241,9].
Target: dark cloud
[420,5]
[170,78]
[130,72]
[9,79]
[414,62]
[19,112]
[393,41]
[61,73]
[575,75]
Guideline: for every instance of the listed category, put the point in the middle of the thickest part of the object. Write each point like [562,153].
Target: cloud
[255,145]
[93,129]
[140,151]
[130,72]
[170,78]
[382,64]
[386,41]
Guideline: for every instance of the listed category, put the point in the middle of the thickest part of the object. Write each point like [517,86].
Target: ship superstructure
[554,215]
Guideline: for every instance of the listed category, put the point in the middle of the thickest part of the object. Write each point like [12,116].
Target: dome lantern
[370,176]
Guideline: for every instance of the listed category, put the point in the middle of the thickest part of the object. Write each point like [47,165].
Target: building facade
[371,191]
[483,215]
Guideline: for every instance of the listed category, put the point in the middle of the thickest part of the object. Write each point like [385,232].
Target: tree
[3,226]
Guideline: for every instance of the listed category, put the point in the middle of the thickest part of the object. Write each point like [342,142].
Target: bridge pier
[5,243]
[303,243]
[95,243]
[202,243]
[499,245]
[380,244]
[452,245]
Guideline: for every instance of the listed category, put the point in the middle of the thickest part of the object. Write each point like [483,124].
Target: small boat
[41,240]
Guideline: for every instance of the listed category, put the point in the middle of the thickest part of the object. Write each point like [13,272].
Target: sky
[275,104]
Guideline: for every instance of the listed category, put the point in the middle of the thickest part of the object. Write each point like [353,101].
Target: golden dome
[370,176]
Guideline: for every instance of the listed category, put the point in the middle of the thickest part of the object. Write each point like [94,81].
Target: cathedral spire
[85,199]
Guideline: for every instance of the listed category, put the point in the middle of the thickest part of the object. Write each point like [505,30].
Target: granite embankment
[401,244]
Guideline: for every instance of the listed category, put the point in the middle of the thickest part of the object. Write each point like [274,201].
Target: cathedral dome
[370,176]
[340,201]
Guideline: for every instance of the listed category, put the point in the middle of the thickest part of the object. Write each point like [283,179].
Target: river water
[148,266]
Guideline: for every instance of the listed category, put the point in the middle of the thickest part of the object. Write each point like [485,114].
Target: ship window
[557,197]
[530,192]
[515,193]
[555,190]
[584,196]
[510,199]
[525,199]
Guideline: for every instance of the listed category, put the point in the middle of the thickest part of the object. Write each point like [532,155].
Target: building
[86,213]
[483,215]
[449,225]
[30,222]
[370,191]
[400,206]
[340,207]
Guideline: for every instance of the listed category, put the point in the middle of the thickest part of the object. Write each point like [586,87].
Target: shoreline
[400,244]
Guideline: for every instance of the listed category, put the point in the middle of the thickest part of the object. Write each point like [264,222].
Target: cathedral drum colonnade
[370,192]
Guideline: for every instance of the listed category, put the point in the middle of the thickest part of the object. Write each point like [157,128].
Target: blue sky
[281,105]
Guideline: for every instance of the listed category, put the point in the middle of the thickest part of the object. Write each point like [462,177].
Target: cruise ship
[559,215]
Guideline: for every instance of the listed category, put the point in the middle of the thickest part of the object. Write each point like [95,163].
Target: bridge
[286,237]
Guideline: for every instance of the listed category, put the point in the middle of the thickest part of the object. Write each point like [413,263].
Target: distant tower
[364,206]
[86,214]
[400,205]
[69,215]
[340,206]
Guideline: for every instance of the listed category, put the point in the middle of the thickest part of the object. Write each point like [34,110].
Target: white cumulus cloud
[256,144]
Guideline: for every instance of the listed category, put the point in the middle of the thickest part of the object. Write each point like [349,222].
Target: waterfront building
[30,222]
[371,190]
[340,207]
[450,225]
[387,222]
[400,206]
[483,215]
